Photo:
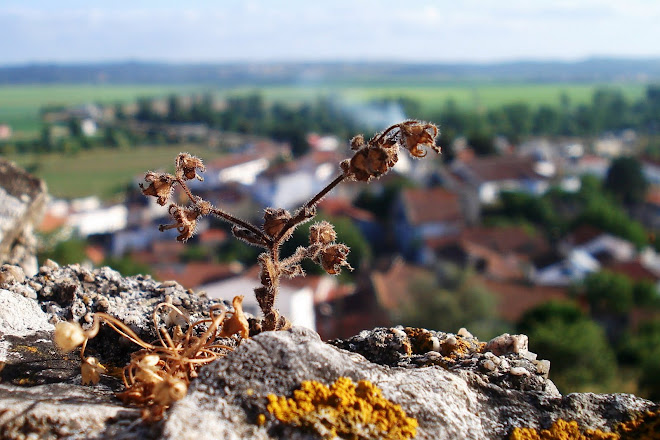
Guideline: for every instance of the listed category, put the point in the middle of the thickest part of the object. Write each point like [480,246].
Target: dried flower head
[357,142]
[370,161]
[322,233]
[237,322]
[187,166]
[185,220]
[91,370]
[416,135]
[160,186]
[333,257]
[169,391]
[275,220]
[68,336]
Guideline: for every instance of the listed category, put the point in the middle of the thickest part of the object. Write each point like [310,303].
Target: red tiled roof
[431,205]
[514,299]
[634,270]
[336,206]
[583,234]
[50,223]
[392,287]
[496,168]
[194,274]
[506,239]
[212,235]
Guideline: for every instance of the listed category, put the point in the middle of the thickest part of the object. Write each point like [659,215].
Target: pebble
[400,333]
[464,333]
[451,341]
[519,371]
[489,365]
[435,344]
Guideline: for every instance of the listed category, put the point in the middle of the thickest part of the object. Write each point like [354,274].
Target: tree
[579,354]
[625,180]
[608,292]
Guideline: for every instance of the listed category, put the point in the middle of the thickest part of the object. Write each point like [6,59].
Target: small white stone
[400,333]
[519,371]
[451,341]
[435,344]
[489,365]
[464,333]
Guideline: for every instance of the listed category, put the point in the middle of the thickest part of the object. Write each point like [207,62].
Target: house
[421,215]
[563,271]
[376,297]
[363,219]
[289,184]
[502,253]
[241,168]
[651,170]
[488,176]
[99,221]
[514,298]
[599,244]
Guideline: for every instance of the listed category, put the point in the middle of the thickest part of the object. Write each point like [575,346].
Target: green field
[19,105]
[474,96]
[106,172]
[101,172]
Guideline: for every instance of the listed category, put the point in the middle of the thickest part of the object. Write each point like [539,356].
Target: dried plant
[159,373]
[371,159]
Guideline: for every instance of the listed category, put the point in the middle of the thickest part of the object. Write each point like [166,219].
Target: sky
[76,31]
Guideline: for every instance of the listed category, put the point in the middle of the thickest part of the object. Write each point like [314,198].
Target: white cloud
[441,30]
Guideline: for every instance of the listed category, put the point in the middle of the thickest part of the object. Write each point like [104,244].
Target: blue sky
[295,30]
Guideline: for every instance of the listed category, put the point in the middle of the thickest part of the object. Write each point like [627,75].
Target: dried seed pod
[187,166]
[91,370]
[357,142]
[246,235]
[160,186]
[322,232]
[333,257]
[185,221]
[370,162]
[415,135]
[275,220]
[237,322]
[68,336]
[169,391]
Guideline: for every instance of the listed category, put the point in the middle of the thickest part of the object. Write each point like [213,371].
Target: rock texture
[22,202]
[455,386]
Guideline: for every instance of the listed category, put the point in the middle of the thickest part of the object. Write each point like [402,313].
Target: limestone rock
[455,386]
[22,203]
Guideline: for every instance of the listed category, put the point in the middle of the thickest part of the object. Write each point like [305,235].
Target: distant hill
[590,70]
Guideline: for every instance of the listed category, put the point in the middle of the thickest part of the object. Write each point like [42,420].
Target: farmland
[102,172]
[20,104]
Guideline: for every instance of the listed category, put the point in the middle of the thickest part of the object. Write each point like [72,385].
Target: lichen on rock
[343,410]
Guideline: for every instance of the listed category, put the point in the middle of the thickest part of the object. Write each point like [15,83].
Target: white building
[296,303]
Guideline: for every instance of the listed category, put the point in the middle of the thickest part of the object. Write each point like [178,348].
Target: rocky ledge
[450,386]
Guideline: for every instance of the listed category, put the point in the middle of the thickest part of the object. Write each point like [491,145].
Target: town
[479,241]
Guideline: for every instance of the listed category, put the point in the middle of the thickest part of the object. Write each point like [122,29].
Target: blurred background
[539,217]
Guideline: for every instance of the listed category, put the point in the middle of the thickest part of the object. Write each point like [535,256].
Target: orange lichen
[343,410]
[644,427]
[561,430]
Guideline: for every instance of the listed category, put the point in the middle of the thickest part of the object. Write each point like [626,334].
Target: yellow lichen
[343,410]
[561,430]
[644,427]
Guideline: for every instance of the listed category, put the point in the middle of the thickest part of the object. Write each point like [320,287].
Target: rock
[451,384]
[22,203]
